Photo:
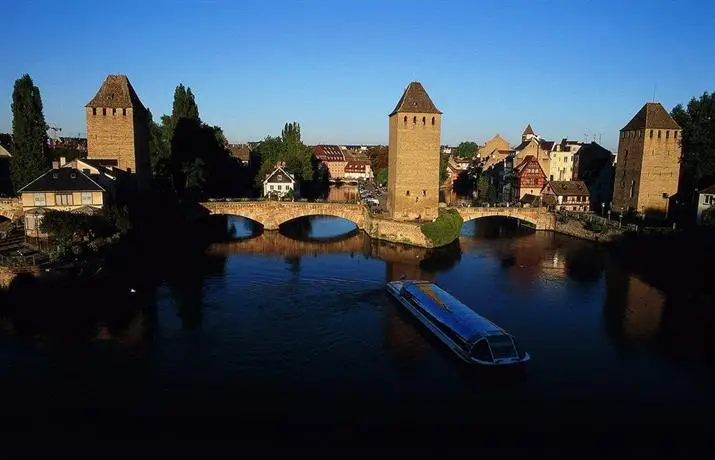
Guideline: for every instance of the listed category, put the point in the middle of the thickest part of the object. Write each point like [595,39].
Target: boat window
[481,351]
[502,346]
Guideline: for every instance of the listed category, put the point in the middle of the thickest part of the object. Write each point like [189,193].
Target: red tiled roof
[329,153]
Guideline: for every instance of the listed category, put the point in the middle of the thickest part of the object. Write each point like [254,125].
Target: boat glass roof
[446,309]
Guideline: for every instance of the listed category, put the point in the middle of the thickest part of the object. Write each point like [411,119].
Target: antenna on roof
[654,87]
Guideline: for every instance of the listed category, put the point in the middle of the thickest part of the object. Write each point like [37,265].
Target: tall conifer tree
[29,133]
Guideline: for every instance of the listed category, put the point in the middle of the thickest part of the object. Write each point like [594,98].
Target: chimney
[55,165]
[63,161]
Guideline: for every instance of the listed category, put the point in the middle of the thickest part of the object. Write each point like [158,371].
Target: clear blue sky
[338,67]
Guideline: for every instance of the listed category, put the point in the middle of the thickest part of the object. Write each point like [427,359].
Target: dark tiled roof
[651,116]
[62,180]
[415,99]
[528,130]
[569,188]
[279,175]
[116,92]
[240,151]
[523,145]
[547,145]
[530,199]
[329,153]
[708,191]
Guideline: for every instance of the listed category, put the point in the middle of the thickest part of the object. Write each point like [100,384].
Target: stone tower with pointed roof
[648,162]
[117,129]
[413,160]
[528,133]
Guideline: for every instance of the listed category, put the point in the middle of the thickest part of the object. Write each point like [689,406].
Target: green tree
[443,174]
[194,175]
[291,132]
[29,133]
[466,149]
[698,142]
[183,107]
[296,156]
[381,176]
[158,147]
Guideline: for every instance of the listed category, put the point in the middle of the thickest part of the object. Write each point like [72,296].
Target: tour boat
[473,338]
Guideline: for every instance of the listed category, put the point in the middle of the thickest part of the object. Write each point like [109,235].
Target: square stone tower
[117,129]
[413,158]
[648,162]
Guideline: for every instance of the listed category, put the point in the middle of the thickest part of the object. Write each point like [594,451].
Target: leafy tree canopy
[381,176]
[296,156]
[466,149]
[698,142]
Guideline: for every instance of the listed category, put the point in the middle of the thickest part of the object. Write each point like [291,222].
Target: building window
[424,121]
[104,111]
[667,134]
[63,199]
[87,198]
[279,187]
[94,110]
[114,111]
[407,193]
[432,121]
[651,134]
[675,134]
[658,134]
[424,192]
[40,199]
[124,112]
[414,120]
[633,187]
[270,186]
[405,119]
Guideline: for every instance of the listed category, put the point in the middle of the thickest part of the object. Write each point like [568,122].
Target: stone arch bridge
[271,214]
[540,218]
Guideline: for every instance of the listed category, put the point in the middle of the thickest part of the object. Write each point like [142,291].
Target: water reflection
[343,192]
[282,314]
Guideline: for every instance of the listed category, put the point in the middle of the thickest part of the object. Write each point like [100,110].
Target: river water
[296,324]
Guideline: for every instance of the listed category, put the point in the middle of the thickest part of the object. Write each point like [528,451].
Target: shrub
[594,226]
[445,229]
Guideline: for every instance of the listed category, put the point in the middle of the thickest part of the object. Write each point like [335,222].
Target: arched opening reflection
[318,228]
[225,228]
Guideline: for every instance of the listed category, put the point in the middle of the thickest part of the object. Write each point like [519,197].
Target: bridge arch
[540,218]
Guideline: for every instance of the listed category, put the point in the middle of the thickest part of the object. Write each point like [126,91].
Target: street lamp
[603,208]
